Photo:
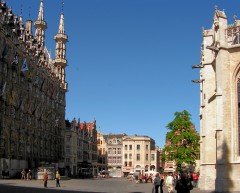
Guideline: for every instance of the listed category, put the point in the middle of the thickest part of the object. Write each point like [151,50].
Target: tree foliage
[183,138]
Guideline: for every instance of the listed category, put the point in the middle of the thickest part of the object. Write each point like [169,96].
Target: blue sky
[130,60]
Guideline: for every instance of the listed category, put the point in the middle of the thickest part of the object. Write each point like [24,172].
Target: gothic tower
[220,104]
[60,52]
[40,26]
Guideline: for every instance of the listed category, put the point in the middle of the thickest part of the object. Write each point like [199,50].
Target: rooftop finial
[29,12]
[235,17]
[62,5]
[21,7]
[216,7]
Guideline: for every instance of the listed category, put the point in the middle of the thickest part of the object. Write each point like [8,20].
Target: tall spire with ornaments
[60,52]
[40,26]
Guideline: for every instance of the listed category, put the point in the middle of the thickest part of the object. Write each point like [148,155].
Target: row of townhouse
[120,154]
[81,148]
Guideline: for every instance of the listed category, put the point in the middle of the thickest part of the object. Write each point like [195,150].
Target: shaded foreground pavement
[111,185]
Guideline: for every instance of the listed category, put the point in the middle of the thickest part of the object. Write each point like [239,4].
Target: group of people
[26,175]
[157,182]
[57,178]
[182,183]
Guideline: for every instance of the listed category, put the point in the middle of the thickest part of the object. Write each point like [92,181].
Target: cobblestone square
[111,185]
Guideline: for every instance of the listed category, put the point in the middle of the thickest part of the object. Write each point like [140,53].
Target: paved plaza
[111,185]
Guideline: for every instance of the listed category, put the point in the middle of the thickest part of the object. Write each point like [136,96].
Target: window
[125,164]
[119,160]
[138,157]
[146,157]
[146,147]
[130,147]
[67,160]
[152,157]
[125,156]
[130,164]
[68,138]
[67,151]
[114,150]
[130,156]
[125,147]
[119,151]
[138,147]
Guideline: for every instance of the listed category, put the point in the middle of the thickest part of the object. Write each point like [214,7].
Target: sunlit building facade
[140,155]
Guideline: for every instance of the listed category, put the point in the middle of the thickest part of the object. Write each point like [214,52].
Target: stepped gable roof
[88,125]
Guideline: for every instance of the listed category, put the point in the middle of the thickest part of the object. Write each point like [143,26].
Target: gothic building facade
[220,109]
[32,92]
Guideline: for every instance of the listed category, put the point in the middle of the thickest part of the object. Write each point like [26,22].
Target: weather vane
[21,7]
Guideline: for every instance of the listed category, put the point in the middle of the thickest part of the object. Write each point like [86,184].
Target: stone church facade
[32,93]
[220,105]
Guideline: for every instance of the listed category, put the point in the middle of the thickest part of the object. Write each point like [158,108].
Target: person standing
[23,174]
[184,185]
[29,175]
[153,188]
[161,184]
[170,182]
[57,179]
[45,179]
[156,182]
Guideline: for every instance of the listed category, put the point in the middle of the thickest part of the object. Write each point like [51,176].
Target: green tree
[184,140]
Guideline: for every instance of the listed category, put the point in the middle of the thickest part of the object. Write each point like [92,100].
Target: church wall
[219,170]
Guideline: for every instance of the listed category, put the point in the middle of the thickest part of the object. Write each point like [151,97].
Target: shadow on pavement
[17,189]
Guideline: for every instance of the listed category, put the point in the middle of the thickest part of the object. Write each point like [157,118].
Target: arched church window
[238,104]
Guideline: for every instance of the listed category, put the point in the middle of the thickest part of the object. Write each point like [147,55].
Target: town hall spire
[40,26]
[60,51]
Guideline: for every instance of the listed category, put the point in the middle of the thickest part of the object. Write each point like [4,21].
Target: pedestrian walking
[161,184]
[170,182]
[45,179]
[157,182]
[57,179]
